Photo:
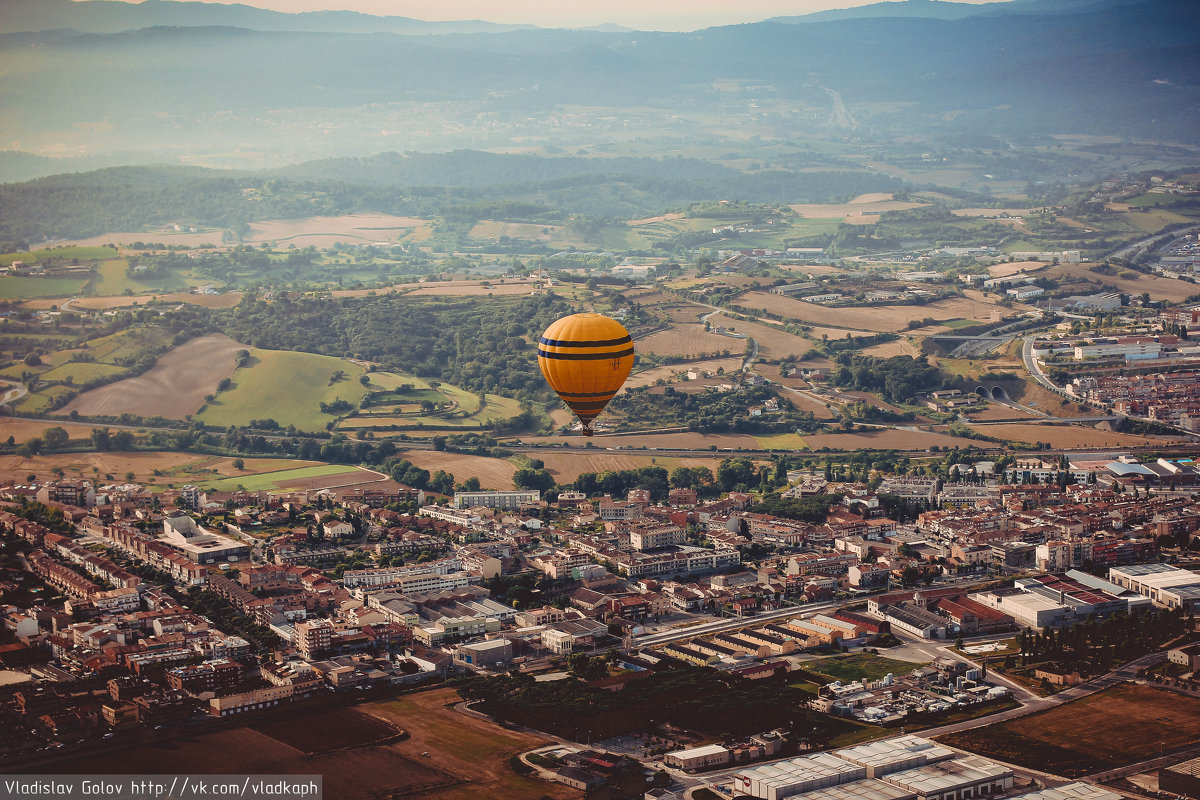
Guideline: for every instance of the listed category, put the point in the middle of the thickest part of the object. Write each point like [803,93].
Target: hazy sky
[646,14]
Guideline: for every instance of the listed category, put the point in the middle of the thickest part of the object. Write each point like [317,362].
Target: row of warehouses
[903,768]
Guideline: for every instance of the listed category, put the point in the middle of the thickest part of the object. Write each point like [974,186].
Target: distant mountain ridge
[944,9]
[112,16]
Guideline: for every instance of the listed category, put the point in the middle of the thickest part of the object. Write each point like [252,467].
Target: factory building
[903,768]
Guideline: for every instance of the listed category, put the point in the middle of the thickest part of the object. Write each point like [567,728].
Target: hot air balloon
[585,359]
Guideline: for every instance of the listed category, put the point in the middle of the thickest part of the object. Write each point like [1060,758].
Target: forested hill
[137,198]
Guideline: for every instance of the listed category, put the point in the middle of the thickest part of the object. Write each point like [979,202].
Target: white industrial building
[1166,586]
[1072,791]
[894,755]
[902,768]
[969,776]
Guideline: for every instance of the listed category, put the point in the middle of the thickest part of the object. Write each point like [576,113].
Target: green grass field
[80,372]
[37,256]
[112,279]
[781,441]
[287,387]
[860,666]
[270,480]
[23,288]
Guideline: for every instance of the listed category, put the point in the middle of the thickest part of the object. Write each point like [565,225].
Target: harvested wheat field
[1069,435]
[1014,267]
[327,231]
[225,300]
[98,465]
[863,204]
[900,347]
[873,318]
[24,429]
[174,387]
[493,473]
[566,467]
[773,341]
[474,289]
[659,218]
[689,340]
[1169,289]
[990,212]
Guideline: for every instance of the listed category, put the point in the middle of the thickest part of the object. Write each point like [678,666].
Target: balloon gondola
[586,358]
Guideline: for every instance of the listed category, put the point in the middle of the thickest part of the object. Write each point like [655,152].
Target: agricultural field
[773,341]
[689,340]
[892,318]
[112,278]
[57,253]
[1170,289]
[323,232]
[884,439]
[900,347]
[493,473]
[165,469]
[1069,435]
[351,768]
[1005,269]
[1109,729]
[475,289]
[287,387]
[875,204]
[173,388]
[330,475]
[223,300]
[20,287]
[454,407]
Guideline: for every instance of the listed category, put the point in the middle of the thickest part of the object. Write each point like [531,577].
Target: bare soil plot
[352,476]
[1014,267]
[995,411]
[339,729]
[173,388]
[473,750]
[493,473]
[356,773]
[885,439]
[1118,726]
[1169,289]
[1068,435]
[494,229]
[567,467]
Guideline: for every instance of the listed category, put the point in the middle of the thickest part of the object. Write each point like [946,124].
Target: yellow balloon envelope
[586,359]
